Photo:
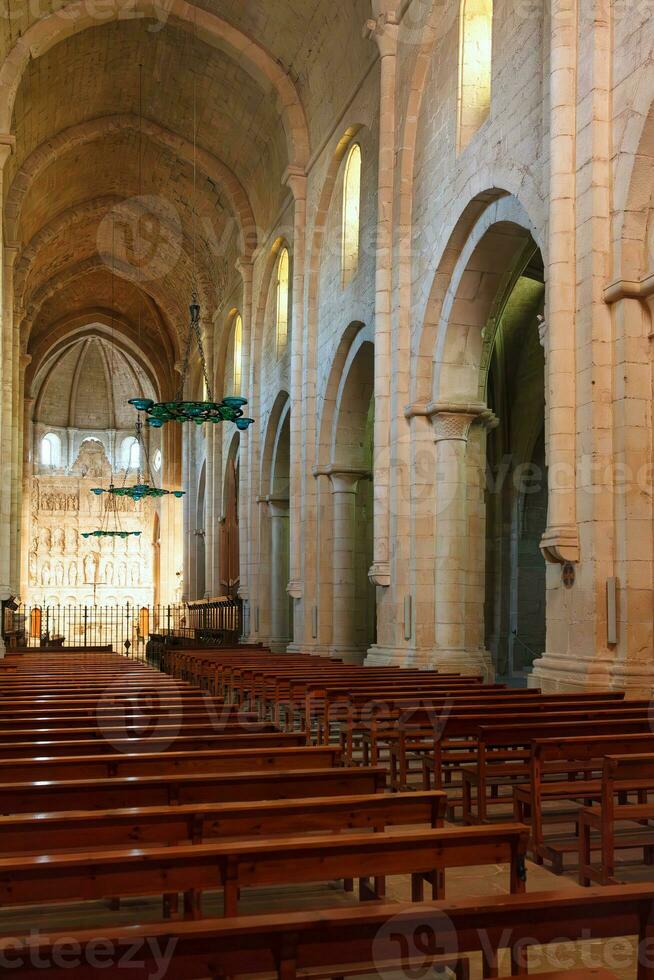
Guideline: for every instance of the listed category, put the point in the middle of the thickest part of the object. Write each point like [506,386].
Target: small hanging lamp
[116,530]
[145,485]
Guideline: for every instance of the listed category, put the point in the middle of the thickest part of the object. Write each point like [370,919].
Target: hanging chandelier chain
[185,365]
[195,320]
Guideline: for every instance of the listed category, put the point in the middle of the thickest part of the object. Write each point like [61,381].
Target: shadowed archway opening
[516,480]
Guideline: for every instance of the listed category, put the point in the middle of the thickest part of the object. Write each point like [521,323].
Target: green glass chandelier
[143,487]
[138,491]
[111,534]
[111,517]
[230,409]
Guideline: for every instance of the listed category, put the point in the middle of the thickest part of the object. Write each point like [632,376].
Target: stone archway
[347,438]
[463,336]
[229,557]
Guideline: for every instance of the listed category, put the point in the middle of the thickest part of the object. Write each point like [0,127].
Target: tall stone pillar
[172,511]
[8,440]
[384,31]
[7,143]
[279,566]
[21,544]
[561,539]
[344,487]
[585,381]
[210,544]
[248,446]
[28,470]
[451,425]
[296,179]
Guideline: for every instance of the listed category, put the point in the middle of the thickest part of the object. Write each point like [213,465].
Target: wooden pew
[124,717]
[454,747]
[502,750]
[450,733]
[597,824]
[77,829]
[294,945]
[175,742]
[371,724]
[142,728]
[120,765]
[553,767]
[196,868]
[170,790]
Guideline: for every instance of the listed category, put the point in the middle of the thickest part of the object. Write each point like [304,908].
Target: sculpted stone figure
[89,569]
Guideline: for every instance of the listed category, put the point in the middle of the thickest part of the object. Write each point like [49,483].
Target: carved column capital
[295,178]
[343,479]
[7,147]
[452,422]
[384,29]
[244,267]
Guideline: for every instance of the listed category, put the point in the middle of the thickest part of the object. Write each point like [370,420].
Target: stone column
[210,476]
[561,539]
[21,544]
[8,441]
[344,486]
[28,472]
[172,512]
[451,424]
[247,449]
[7,143]
[279,565]
[297,181]
[384,31]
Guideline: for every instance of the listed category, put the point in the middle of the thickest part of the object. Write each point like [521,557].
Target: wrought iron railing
[125,628]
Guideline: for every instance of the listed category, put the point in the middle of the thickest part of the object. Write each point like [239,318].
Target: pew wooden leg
[231,892]
[584,851]
[466,800]
[348,884]
[417,890]
[193,904]
[170,905]
[519,961]
[489,963]
[371,893]
[114,904]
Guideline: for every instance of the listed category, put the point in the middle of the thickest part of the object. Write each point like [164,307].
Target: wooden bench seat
[34,833]
[196,868]
[369,727]
[121,765]
[112,718]
[598,825]
[242,739]
[217,787]
[142,728]
[290,945]
[503,751]
[583,753]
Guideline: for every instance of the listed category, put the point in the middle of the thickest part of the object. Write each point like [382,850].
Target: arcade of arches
[422,239]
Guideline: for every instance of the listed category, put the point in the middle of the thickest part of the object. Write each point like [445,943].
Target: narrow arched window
[475,64]
[50,450]
[282,302]
[351,214]
[131,453]
[156,463]
[238,354]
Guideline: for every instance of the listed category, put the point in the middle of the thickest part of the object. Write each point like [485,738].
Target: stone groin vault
[420,235]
